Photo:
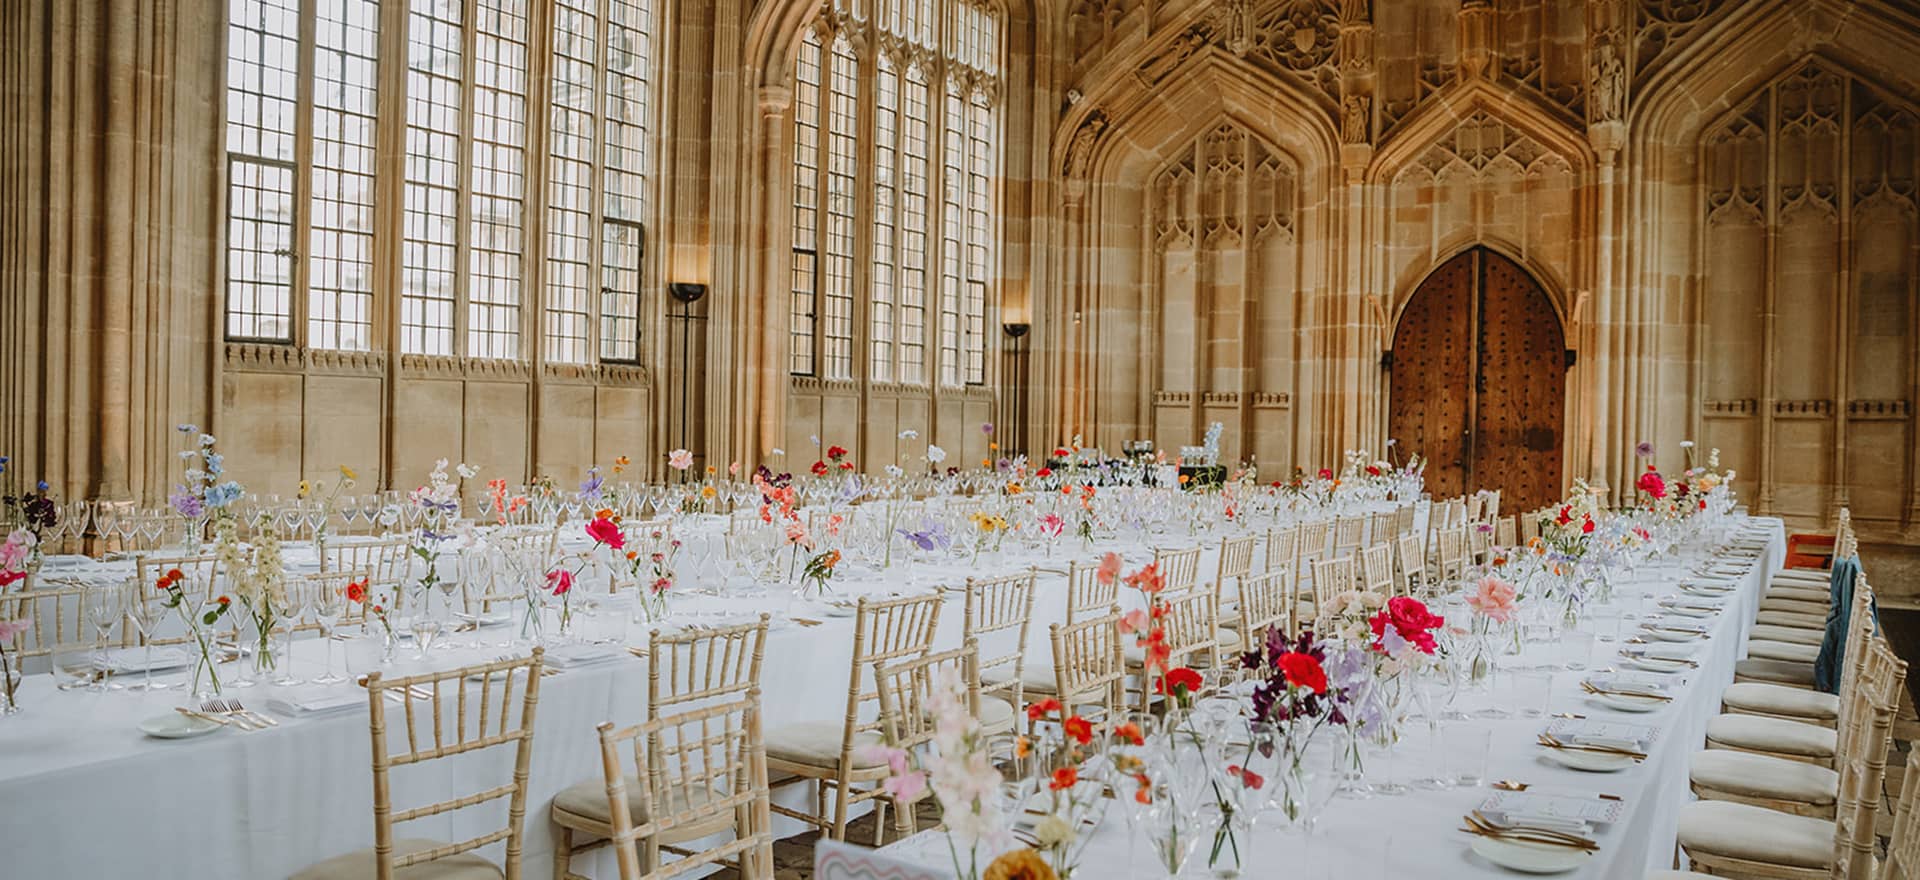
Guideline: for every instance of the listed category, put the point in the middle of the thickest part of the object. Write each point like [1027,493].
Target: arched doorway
[1479,381]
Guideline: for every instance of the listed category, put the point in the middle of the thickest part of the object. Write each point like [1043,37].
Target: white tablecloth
[1414,834]
[87,795]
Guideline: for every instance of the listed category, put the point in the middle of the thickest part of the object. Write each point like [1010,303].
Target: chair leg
[840,797]
[563,854]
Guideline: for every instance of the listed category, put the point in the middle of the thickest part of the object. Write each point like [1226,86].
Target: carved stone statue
[1080,152]
[1355,124]
[1609,83]
[1192,40]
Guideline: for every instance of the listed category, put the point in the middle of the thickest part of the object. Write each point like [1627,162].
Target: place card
[1536,803]
[1589,731]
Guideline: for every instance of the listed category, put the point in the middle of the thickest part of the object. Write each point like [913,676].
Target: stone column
[762,330]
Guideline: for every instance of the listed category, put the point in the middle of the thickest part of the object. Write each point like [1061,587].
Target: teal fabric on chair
[1833,643]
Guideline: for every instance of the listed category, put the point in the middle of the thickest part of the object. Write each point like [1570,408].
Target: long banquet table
[87,795]
[1414,834]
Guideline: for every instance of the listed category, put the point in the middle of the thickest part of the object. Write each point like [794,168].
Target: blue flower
[214,463]
[186,428]
[42,485]
[223,494]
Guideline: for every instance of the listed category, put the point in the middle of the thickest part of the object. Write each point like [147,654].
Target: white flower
[440,466]
[1053,832]
[207,440]
[1686,444]
[909,434]
[777,451]
[893,470]
[814,439]
[935,454]
[467,471]
[680,459]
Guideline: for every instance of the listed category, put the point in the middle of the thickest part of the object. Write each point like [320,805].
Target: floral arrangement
[959,771]
[10,630]
[173,583]
[1070,801]
[604,530]
[504,505]
[1349,615]
[329,499]
[18,556]
[203,495]
[930,537]
[991,526]
[1493,599]
[33,512]
[817,575]
[1150,634]
[439,504]
[1403,634]
[651,567]
[259,578]
[1296,696]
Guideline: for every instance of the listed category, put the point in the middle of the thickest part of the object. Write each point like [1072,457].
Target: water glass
[1576,645]
[1463,749]
[1530,691]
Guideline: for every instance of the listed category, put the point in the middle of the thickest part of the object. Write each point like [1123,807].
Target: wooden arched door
[1479,381]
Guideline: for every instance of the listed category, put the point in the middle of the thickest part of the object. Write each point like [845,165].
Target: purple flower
[1643,449]
[986,427]
[590,490]
[187,503]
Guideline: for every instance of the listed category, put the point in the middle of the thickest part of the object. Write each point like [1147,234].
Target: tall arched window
[304,166]
[929,72]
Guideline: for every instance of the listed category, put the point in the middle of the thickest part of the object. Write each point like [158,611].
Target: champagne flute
[146,612]
[106,605]
[299,595]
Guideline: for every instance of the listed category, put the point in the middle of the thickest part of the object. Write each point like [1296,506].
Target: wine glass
[416,607]
[451,572]
[327,602]
[146,612]
[105,607]
[299,595]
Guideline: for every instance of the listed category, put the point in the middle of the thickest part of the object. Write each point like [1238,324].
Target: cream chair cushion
[1795,604]
[1756,834]
[1793,653]
[360,865]
[1781,702]
[1790,635]
[996,714]
[1792,619]
[1784,672]
[817,744]
[1802,576]
[1777,736]
[585,805]
[1758,776]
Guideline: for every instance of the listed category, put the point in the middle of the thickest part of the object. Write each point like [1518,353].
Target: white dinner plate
[493,619]
[837,609]
[1629,703]
[173,725]
[1591,762]
[1670,635]
[1700,589]
[1689,610]
[1529,858]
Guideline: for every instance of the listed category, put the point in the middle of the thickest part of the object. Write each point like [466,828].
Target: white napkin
[574,656]
[319,703]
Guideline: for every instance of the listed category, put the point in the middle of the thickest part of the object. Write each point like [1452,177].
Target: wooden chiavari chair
[1799,704]
[1451,554]
[440,729]
[1331,577]
[1380,527]
[1475,505]
[1725,838]
[1189,621]
[1903,846]
[1404,518]
[1086,594]
[1089,665]
[1795,737]
[908,692]
[697,680]
[1413,566]
[1479,543]
[1236,562]
[1530,527]
[57,619]
[1506,532]
[1349,533]
[832,753]
[1376,569]
[1180,569]
[1311,544]
[384,559]
[999,610]
[1280,549]
[1266,601]
[203,574]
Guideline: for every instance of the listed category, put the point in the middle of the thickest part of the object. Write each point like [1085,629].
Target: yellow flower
[346,473]
[707,492]
[306,488]
[620,464]
[1021,864]
[995,447]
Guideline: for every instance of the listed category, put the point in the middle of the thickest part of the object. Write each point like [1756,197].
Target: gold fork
[1554,742]
[1566,838]
[215,707]
[258,718]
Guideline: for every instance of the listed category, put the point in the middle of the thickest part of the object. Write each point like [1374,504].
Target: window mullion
[463,181]
[596,173]
[298,275]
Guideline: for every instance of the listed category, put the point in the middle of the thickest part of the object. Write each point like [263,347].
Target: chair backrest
[998,612]
[1450,555]
[1180,569]
[1331,577]
[385,558]
[1413,564]
[885,630]
[202,571]
[1236,559]
[690,767]
[1380,527]
[1089,663]
[1403,519]
[703,665]
[1311,543]
[1085,593]
[350,612]
[57,618]
[1859,631]
[1348,533]
[1191,623]
[1862,763]
[478,723]
[911,688]
[1530,527]
[1506,531]
[1266,601]
[1281,544]
[1376,569]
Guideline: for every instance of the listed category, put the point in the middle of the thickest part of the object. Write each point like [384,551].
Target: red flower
[1064,778]
[1652,484]
[1566,515]
[1079,728]
[1247,777]
[357,592]
[1326,473]
[1587,527]
[606,531]
[846,465]
[559,581]
[174,574]
[1411,619]
[1129,732]
[1037,711]
[1181,681]
[224,601]
[1109,568]
[835,453]
[1044,472]
[1303,671]
[1143,794]
[819,468]
[1059,452]
[1373,471]
[1147,579]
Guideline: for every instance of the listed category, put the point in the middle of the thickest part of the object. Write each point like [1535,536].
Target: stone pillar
[1362,412]
[762,406]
